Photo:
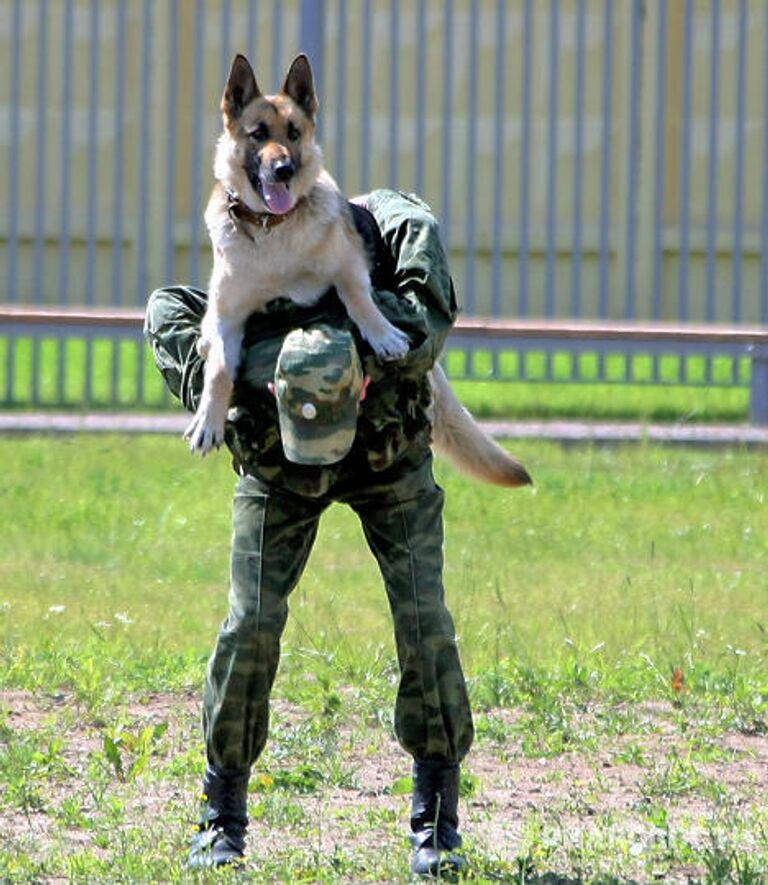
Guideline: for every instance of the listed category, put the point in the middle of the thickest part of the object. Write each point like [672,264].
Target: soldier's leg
[273,533]
[433,721]
[404,529]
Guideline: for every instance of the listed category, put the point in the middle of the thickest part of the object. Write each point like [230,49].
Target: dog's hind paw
[391,344]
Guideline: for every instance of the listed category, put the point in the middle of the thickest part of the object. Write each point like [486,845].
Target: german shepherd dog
[280,227]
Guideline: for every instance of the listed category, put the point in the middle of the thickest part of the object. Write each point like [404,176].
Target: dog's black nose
[282,170]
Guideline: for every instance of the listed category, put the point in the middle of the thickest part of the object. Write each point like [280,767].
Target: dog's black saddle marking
[379,256]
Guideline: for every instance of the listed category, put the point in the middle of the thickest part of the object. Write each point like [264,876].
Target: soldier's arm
[422,301]
[172,327]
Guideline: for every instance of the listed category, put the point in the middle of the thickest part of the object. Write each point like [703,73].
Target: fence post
[758,390]
[311,37]
[652,63]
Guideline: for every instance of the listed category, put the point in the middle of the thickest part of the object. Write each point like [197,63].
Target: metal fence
[586,158]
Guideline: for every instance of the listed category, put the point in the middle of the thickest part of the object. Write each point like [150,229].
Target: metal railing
[596,159]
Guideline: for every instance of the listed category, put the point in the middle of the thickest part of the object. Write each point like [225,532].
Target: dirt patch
[23,710]
[647,791]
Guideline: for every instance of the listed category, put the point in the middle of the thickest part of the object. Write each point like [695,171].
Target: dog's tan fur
[280,227]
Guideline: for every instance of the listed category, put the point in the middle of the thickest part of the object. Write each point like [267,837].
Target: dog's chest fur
[299,257]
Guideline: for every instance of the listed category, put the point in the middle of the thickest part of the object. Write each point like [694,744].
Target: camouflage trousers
[273,532]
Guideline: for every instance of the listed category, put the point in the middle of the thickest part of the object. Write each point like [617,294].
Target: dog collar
[239,212]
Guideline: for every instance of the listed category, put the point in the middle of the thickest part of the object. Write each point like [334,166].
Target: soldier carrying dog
[316,417]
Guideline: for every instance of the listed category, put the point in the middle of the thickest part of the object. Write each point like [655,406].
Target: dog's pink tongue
[278,198]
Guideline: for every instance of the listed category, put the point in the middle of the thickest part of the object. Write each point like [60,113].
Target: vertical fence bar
[61,371]
[10,350]
[630,306]
[14,127]
[88,380]
[225,44]
[93,154]
[198,105]
[41,139]
[141,372]
[10,367]
[394,90]
[578,158]
[685,166]
[118,191]
[252,25]
[605,167]
[116,361]
[421,92]
[764,227]
[738,207]
[277,43]
[312,41]
[552,148]
[341,95]
[447,170]
[170,153]
[712,160]
[659,165]
[498,159]
[34,384]
[118,209]
[365,63]
[66,161]
[142,238]
[471,162]
[525,158]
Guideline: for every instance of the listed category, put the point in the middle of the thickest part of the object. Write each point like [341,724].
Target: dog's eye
[260,133]
[294,133]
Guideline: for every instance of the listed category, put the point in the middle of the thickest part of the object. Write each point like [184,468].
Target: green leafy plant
[129,752]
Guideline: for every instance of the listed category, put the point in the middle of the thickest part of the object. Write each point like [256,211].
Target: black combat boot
[435,820]
[220,839]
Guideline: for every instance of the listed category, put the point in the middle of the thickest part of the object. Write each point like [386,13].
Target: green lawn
[576,601]
[108,374]
[653,550]
[603,402]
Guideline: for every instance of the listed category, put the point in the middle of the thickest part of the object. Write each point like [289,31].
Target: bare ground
[537,813]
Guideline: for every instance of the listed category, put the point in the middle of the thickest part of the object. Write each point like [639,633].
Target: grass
[107,374]
[626,548]
[75,373]
[612,623]
[603,402]
[690,389]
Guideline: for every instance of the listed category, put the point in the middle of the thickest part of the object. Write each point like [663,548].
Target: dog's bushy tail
[458,437]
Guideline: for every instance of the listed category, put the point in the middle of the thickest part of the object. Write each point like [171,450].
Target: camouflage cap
[318,383]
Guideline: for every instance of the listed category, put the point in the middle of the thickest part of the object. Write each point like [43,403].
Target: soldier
[317,418]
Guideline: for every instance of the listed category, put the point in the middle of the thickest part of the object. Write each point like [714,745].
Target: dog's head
[267,153]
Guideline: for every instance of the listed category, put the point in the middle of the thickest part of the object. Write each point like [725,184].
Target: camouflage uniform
[386,478]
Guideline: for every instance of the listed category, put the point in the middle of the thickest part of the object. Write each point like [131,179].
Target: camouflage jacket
[412,287]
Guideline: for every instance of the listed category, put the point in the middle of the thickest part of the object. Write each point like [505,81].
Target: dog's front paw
[204,432]
[389,344]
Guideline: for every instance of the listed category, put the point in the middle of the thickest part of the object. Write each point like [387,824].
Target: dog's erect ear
[300,86]
[241,88]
